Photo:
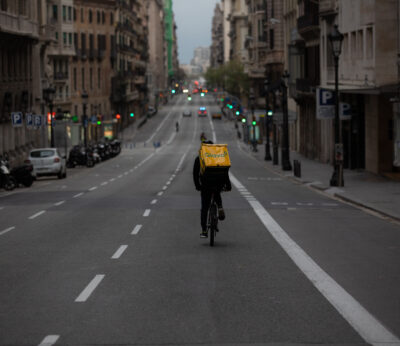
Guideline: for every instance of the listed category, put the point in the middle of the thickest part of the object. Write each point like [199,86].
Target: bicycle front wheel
[213,223]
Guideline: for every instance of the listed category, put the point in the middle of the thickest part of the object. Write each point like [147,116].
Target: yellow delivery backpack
[214,164]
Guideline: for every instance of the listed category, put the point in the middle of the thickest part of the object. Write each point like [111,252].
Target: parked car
[202,112]
[187,113]
[151,111]
[47,161]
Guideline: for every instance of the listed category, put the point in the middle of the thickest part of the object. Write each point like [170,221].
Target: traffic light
[132,114]
[99,118]
[118,116]
[189,98]
[173,91]
[244,121]
[254,123]
[270,113]
[237,113]
[75,119]
[202,94]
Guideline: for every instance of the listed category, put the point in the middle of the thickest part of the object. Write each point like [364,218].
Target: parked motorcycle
[115,147]
[23,175]
[80,156]
[7,182]
[103,150]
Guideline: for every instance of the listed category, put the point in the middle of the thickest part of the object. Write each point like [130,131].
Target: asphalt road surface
[112,255]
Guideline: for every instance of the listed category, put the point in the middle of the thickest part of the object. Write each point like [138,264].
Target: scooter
[80,156]
[6,180]
[23,175]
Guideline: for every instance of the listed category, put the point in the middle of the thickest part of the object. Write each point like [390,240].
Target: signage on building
[16,119]
[38,120]
[326,105]
[29,120]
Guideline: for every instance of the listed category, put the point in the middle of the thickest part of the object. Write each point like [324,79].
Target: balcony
[18,25]
[61,76]
[308,25]
[327,7]
[48,33]
[139,80]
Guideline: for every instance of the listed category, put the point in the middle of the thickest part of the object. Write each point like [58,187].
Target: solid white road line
[93,188]
[136,229]
[160,193]
[78,195]
[7,230]
[89,288]
[154,201]
[146,212]
[119,252]
[369,328]
[59,203]
[37,214]
[49,340]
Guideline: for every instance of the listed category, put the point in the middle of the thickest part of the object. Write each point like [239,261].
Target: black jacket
[197,178]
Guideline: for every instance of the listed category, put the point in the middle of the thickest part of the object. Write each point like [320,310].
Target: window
[353,45]
[369,43]
[83,43]
[98,17]
[70,39]
[103,17]
[76,40]
[69,13]
[360,44]
[74,14]
[112,18]
[90,16]
[91,78]
[64,9]
[82,16]
[99,78]
[65,38]
[4,5]
[83,78]
[57,36]
[271,39]
[74,79]
[55,12]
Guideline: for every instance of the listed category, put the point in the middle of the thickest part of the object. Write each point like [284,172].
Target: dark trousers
[205,204]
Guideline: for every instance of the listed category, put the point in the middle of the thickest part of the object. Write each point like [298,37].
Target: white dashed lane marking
[90,288]
[78,195]
[136,229]
[119,252]
[93,188]
[154,201]
[7,230]
[104,183]
[59,203]
[165,187]
[160,193]
[37,214]
[146,212]
[49,340]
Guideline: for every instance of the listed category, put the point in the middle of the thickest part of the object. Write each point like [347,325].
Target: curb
[323,188]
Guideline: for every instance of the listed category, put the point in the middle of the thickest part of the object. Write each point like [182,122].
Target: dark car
[202,112]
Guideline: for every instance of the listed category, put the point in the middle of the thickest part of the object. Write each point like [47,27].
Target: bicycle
[212,220]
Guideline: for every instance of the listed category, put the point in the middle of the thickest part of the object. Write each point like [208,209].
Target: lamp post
[336,39]
[48,96]
[275,157]
[84,117]
[267,149]
[252,102]
[286,165]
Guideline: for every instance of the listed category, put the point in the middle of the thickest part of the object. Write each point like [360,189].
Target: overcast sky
[193,18]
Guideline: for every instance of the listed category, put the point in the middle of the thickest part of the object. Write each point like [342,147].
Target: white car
[187,113]
[47,161]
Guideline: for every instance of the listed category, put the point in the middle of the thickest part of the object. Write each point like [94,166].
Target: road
[112,255]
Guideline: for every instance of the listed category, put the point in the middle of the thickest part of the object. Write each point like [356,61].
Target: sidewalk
[362,188]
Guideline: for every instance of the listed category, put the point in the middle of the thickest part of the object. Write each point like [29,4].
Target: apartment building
[226,9]
[157,67]
[239,31]
[130,53]
[217,37]
[23,32]
[92,66]
[368,78]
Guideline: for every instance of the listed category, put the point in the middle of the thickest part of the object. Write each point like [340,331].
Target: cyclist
[203,137]
[206,194]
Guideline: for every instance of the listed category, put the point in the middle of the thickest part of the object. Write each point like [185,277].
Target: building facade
[239,31]
[217,38]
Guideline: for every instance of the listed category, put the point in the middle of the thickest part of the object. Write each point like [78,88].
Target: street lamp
[267,149]
[84,117]
[286,165]
[252,105]
[336,39]
[48,96]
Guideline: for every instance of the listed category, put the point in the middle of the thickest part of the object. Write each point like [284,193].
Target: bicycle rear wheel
[213,223]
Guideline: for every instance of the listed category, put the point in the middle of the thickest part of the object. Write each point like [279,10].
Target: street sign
[325,103]
[344,111]
[29,120]
[37,120]
[16,118]
[93,119]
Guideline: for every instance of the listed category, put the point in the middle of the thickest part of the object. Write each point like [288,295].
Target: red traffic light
[118,116]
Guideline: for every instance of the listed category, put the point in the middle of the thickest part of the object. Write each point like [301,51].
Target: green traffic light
[270,113]
[132,115]
[222,100]
[173,91]
[237,112]
[202,94]
[98,122]
[254,123]
[243,120]
[189,98]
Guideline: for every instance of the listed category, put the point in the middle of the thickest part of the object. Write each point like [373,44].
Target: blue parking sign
[16,118]
[29,120]
[37,120]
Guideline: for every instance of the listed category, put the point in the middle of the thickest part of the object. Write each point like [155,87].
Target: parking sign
[37,120]
[16,118]
[29,120]
[325,104]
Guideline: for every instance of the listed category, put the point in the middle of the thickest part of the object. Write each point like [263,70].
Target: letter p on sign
[327,97]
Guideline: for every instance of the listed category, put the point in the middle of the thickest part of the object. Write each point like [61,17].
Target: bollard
[297,168]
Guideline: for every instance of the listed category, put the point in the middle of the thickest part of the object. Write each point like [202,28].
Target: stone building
[368,78]
[25,32]
[239,31]
[217,38]
[129,52]
[157,67]
[92,65]
[226,9]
